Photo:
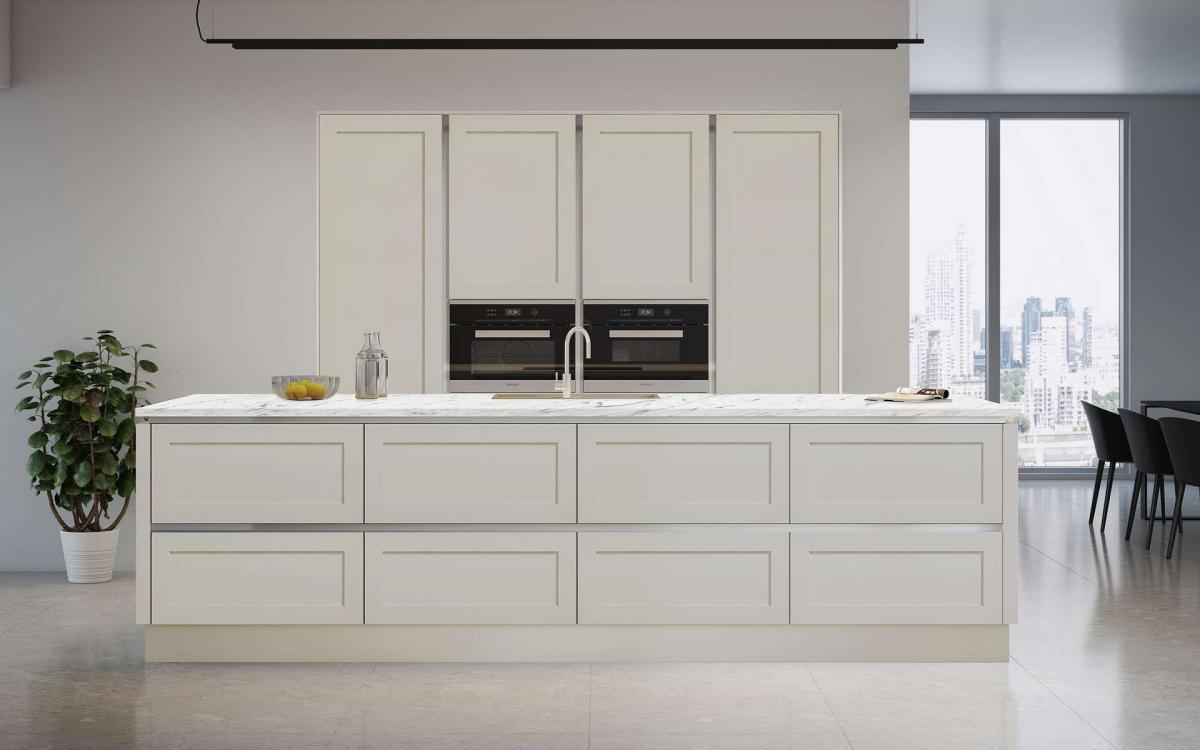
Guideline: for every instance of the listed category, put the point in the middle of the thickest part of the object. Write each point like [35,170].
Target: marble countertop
[481,407]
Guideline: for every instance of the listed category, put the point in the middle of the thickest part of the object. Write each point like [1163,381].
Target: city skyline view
[1060,272]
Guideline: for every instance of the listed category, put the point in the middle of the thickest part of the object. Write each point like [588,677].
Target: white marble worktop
[220,407]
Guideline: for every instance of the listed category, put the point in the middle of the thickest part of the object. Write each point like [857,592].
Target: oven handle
[491,333]
[655,334]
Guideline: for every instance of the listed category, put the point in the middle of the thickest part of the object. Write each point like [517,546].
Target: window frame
[992,119]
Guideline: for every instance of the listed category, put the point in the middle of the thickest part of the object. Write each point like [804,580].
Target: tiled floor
[1107,655]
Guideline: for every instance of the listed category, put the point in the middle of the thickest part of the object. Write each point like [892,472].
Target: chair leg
[1138,490]
[1096,491]
[1154,495]
[1178,489]
[1178,521]
[1112,469]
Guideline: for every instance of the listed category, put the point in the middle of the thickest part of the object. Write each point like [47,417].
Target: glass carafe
[371,369]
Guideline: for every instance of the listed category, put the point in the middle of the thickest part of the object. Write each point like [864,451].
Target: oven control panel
[685,313]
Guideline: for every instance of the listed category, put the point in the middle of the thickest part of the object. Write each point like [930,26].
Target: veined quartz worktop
[481,407]
[748,527]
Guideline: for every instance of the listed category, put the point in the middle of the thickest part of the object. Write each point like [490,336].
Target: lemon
[316,391]
[300,389]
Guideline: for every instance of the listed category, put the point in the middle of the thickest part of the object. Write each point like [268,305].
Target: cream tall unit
[512,207]
[381,253]
[646,207]
[778,254]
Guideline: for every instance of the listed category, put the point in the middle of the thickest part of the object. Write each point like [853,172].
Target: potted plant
[83,444]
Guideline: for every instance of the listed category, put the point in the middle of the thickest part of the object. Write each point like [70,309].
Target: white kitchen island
[691,527]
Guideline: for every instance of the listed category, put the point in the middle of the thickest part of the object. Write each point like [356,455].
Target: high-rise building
[1063,307]
[1087,355]
[1006,345]
[948,310]
[1045,372]
[1031,323]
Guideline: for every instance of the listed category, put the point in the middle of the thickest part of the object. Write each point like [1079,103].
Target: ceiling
[1057,47]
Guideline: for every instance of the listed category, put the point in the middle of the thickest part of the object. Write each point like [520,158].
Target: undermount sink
[578,396]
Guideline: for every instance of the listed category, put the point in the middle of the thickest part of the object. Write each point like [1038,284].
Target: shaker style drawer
[897,473]
[487,578]
[692,473]
[256,473]
[896,577]
[462,473]
[252,578]
[683,578]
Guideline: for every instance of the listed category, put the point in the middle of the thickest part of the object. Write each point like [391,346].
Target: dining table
[1189,407]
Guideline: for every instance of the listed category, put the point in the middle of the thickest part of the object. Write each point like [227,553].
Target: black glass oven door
[503,354]
[662,353]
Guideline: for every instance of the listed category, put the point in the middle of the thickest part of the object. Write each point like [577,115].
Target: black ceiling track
[566,44]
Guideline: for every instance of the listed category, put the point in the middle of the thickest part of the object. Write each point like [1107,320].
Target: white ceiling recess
[1057,47]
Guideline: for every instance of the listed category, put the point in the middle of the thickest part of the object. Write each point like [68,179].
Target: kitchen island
[697,527]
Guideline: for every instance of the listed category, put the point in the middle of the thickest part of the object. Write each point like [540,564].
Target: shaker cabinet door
[512,207]
[683,578]
[257,473]
[257,578]
[470,578]
[464,473]
[380,239]
[646,212]
[778,249]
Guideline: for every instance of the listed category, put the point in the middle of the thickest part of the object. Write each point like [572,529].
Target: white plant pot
[89,555]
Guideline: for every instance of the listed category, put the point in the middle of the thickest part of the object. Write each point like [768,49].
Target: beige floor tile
[352,741]
[707,699]
[827,741]
[472,699]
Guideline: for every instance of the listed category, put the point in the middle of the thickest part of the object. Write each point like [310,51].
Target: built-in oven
[655,347]
[499,347]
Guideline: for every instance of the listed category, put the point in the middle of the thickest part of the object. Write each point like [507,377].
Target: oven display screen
[645,312]
[512,312]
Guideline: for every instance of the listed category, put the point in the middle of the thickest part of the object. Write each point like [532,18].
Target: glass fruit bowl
[305,387]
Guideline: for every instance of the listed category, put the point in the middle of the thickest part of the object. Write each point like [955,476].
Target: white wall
[164,188]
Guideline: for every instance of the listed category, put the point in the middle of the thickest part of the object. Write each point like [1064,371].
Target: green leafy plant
[83,447]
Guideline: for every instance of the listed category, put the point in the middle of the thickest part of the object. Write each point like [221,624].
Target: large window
[1044,270]
[948,204]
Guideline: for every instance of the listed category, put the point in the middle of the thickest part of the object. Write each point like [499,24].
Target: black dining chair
[1150,458]
[1112,447]
[1183,442]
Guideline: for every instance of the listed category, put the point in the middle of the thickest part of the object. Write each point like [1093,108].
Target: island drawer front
[483,578]
[691,473]
[897,473]
[683,578]
[470,473]
[256,473]
[257,578]
[896,577]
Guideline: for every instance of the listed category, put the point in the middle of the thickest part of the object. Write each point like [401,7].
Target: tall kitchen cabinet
[380,245]
[778,254]
[512,207]
[646,207]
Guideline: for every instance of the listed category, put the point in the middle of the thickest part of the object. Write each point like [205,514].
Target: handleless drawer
[487,578]
[257,473]
[252,578]
[694,473]
[683,578]
[452,473]
[897,473]
[896,577]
